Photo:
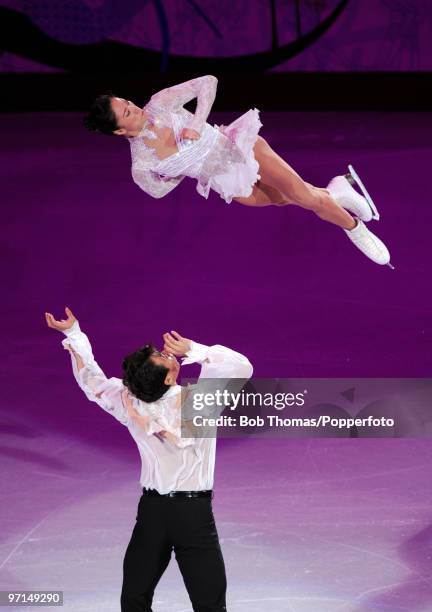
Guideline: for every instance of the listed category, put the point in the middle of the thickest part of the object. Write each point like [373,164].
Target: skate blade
[356,178]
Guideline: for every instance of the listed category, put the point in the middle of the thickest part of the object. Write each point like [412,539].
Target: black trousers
[187,526]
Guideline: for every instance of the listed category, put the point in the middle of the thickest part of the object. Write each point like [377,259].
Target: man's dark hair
[142,377]
[101,117]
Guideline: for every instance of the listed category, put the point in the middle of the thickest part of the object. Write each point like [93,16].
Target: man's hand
[63,323]
[189,133]
[176,344]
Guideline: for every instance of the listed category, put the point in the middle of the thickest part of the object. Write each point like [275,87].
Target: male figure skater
[175,509]
[168,143]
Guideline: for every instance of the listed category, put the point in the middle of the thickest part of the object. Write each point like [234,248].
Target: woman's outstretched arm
[203,88]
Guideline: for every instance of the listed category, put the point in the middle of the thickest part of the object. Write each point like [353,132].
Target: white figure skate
[369,244]
[354,179]
[342,191]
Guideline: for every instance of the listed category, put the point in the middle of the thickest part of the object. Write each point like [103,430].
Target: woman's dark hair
[101,117]
[142,377]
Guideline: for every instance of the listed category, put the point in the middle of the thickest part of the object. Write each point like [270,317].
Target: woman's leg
[280,181]
[280,184]
[263,195]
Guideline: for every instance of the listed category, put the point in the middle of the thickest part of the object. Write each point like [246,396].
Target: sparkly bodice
[157,134]
[161,158]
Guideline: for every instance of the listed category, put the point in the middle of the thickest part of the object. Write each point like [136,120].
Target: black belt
[208,493]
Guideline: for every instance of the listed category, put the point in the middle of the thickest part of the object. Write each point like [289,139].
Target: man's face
[168,361]
[130,118]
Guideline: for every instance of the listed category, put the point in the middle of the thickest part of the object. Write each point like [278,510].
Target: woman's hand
[176,344]
[63,323]
[188,133]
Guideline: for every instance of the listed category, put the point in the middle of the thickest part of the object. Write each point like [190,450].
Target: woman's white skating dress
[222,158]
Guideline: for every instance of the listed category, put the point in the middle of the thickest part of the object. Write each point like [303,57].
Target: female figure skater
[168,143]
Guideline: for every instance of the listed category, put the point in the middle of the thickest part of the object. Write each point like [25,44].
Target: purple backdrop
[368,36]
[348,520]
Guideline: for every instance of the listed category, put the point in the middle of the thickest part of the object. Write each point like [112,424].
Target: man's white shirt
[168,463]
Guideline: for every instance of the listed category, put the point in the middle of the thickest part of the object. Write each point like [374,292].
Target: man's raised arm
[222,369]
[89,376]
[219,361]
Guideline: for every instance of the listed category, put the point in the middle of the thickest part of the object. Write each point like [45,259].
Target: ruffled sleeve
[219,361]
[106,392]
[153,183]
[161,418]
[222,369]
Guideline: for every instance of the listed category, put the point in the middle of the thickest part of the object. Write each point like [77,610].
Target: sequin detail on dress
[221,159]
